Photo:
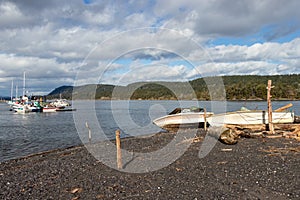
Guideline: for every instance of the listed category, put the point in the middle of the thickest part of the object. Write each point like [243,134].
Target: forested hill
[250,87]
[254,87]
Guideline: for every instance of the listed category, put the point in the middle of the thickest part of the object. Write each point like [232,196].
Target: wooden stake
[119,154]
[90,133]
[271,127]
[205,121]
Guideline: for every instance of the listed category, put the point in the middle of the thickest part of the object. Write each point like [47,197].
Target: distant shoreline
[253,100]
[231,100]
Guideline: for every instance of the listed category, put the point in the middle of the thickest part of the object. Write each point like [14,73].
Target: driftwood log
[262,127]
[229,134]
[224,134]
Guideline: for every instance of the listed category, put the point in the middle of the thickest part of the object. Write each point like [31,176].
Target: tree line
[244,87]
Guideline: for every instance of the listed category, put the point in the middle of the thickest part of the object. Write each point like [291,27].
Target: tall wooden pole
[205,120]
[118,144]
[90,133]
[271,127]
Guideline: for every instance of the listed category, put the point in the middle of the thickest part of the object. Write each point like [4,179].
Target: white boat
[250,117]
[35,107]
[183,117]
[48,109]
[60,103]
[22,109]
[20,105]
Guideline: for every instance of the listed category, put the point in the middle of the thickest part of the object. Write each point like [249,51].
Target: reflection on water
[23,134]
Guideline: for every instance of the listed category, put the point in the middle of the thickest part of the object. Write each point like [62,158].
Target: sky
[118,42]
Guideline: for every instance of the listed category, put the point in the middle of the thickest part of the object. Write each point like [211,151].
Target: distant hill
[249,87]
[64,91]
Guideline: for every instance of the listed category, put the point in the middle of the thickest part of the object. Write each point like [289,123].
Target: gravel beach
[254,168]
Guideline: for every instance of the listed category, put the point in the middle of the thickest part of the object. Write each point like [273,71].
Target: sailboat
[21,106]
[14,103]
[11,102]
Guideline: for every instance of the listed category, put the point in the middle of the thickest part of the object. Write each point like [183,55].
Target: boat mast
[16,92]
[11,90]
[24,85]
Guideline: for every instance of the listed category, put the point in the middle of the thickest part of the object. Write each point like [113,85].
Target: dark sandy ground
[258,168]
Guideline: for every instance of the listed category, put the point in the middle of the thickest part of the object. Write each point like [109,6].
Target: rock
[229,136]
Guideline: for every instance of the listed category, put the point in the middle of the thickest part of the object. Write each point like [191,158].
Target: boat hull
[181,120]
[49,110]
[21,108]
[250,118]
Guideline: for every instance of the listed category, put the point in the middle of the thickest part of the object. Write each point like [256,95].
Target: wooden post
[90,133]
[271,127]
[205,121]
[119,154]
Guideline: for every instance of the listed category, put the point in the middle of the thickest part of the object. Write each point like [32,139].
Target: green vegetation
[250,87]
[254,87]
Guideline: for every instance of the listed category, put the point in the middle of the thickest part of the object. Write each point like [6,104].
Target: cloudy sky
[62,42]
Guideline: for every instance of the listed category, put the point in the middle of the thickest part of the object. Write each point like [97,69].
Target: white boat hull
[49,110]
[181,119]
[250,118]
[21,109]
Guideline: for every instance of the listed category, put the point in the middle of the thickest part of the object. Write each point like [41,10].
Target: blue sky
[60,42]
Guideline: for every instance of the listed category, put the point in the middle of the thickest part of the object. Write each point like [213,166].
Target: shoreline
[252,169]
[82,145]
[230,100]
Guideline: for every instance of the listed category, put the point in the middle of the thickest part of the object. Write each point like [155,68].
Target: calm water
[24,134]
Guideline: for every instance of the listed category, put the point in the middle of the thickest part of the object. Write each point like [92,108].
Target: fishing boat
[183,118]
[250,117]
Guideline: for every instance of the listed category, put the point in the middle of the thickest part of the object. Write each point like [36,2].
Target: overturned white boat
[183,118]
[250,117]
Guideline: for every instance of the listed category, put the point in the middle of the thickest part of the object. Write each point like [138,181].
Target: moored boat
[60,103]
[183,118]
[22,109]
[48,109]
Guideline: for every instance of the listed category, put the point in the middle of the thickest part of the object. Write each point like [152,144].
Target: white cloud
[231,18]
[148,73]
[101,18]
[42,73]
[11,16]
[55,37]
[263,59]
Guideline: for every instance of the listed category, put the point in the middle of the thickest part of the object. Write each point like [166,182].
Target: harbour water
[25,134]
